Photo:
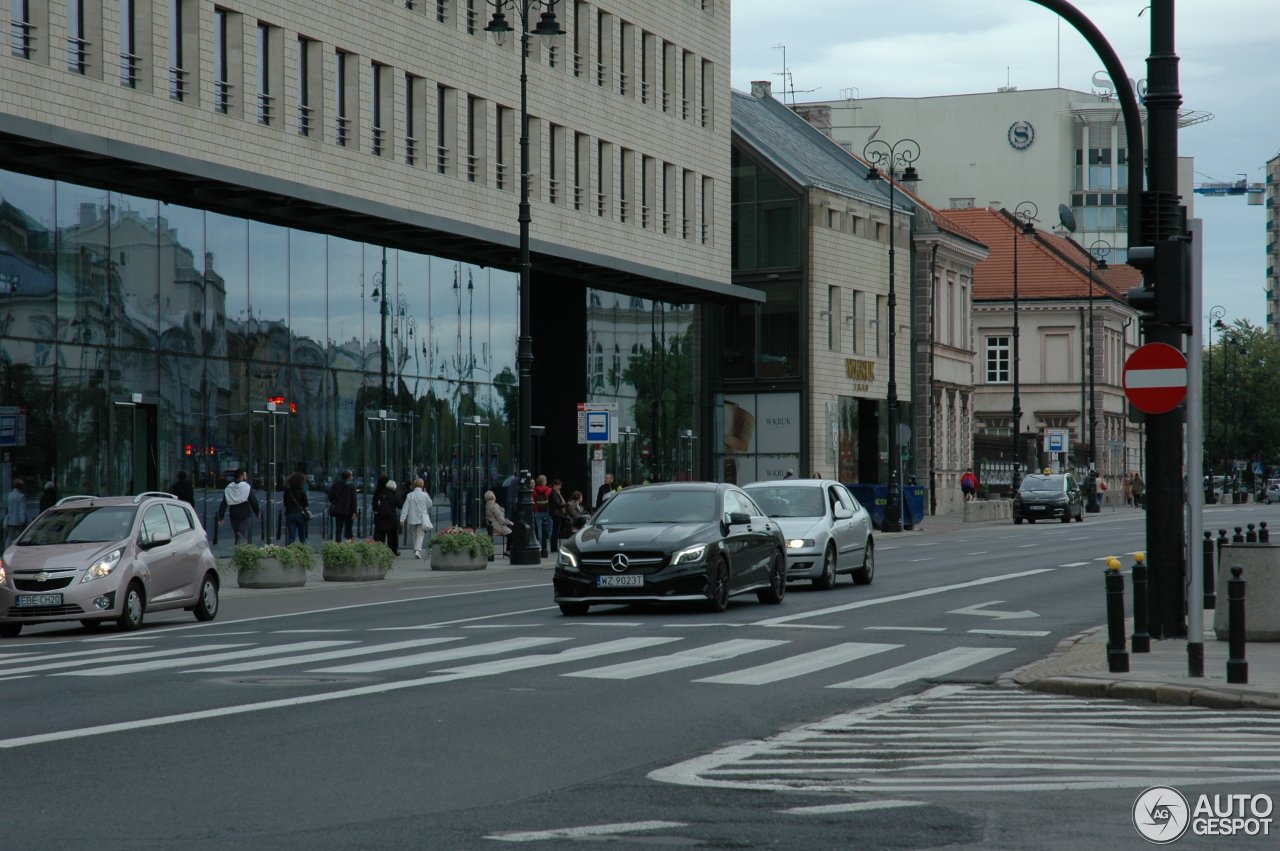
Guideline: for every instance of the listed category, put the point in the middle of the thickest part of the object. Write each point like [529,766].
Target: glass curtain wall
[140,339]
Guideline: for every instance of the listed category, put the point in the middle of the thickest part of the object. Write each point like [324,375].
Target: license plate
[619,581]
[38,600]
[1037,508]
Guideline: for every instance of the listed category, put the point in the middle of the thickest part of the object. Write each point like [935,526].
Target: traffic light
[188,448]
[1164,295]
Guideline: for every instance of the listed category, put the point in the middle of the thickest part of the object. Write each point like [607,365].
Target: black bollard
[1222,542]
[1210,592]
[1238,537]
[1264,535]
[1237,667]
[1251,537]
[1117,656]
[1141,640]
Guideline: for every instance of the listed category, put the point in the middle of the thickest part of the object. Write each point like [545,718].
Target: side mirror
[843,513]
[156,541]
[737,518]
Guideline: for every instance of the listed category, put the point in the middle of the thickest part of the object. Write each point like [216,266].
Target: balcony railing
[706,233]
[265,108]
[644,91]
[500,175]
[624,83]
[77,55]
[21,36]
[376,137]
[178,84]
[666,222]
[684,109]
[129,65]
[410,150]
[473,163]
[666,101]
[442,160]
[442,11]
[706,116]
[600,73]
[684,228]
[342,130]
[553,191]
[601,202]
[577,64]
[577,197]
[644,216]
[304,120]
[624,210]
[221,96]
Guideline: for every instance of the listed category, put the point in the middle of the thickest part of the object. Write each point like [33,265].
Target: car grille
[45,585]
[637,562]
[43,611]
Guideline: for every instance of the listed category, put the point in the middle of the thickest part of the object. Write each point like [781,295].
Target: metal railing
[473,161]
[376,137]
[684,227]
[342,130]
[706,116]
[178,84]
[624,80]
[264,108]
[577,197]
[644,216]
[472,16]
[442,10]
[500,175]
[410,150]
[129,70]
[577,64]
[221,96]
[553,191]
[706,233]
[684,109]
[77,55]
[304,119]
[21,36]
[600,73]
[666,101]
[644,91]
[666,222]
[442,159]
[601,201]
[624,209]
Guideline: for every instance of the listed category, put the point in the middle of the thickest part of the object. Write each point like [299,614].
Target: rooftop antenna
[788,83]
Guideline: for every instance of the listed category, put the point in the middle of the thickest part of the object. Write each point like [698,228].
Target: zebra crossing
[968,738]
[734,662]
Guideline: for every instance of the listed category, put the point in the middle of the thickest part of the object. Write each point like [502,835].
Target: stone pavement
[1078,666]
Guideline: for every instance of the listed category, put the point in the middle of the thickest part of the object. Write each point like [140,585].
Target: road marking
[910,595]
[982,610]
[160,664]
[981,553]
[804,663]
[304,631]
[20,677]
[797,625]
[921,559]
[602,623]
[1076,564]
[1014,632]
[592,830]
[262,664]
[676,661]
[439,624]
[937,665]
[47,656]
[856,807]
[699,625]
[123,657]
[882,549]
[1024,546]
[910,628]
[1080,538]
[434,656]
[506,626]
[590,651]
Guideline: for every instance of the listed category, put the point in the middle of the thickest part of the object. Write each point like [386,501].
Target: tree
[663,380]
[1242,396]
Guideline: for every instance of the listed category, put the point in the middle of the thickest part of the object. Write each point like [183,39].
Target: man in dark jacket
[342,506]
[183,490]
[605,489]
[241,503]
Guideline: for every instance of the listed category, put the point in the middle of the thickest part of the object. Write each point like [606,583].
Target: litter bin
[873,498]
[912,505]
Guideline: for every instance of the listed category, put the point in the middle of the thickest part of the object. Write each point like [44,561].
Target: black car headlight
[690,555]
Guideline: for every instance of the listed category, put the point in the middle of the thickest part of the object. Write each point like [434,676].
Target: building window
[446,128]
[21,29]
[852,317]
[766,217]
[581,22]
[502,128]
[668,73]
[178,73]
[626,58]
[377,136]
[555,165]
[833,319]
[412,118]
[707,91]
[342,124]
[77,46]
[129,59]
[265,69]
[221,63]
[708,208]
[997,360]
[305,107]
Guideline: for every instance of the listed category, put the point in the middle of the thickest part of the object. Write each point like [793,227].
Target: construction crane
[1255,192]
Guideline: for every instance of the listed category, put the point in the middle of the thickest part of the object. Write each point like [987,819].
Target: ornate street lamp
[1098,253]
[902,153]
[1212,321]
[549,29]
[1023,215]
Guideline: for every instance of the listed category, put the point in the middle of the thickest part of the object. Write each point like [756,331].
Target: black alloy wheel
[718,586]
[866,573]
[1066,515]
[134,606]
[827,580]
[1080,516]
[574,610]
[777,590]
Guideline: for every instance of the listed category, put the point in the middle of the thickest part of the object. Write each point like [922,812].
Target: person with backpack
[542,513]
[969,486]
[557,505]
[239,501]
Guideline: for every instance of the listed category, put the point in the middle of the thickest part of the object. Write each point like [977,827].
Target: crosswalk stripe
[122,657]
[805,663]
[676,661]
[854,807]
[27,658]
[573,654]
[160,664]
[261,664]
[491,649]
[936,665]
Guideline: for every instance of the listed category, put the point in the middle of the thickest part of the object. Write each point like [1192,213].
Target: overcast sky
[912,48]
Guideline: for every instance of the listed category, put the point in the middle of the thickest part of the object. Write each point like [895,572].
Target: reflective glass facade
[139,338]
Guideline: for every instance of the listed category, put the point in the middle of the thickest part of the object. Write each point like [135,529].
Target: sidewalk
[1078,666]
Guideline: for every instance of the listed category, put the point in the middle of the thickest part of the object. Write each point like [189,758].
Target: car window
[179,519]
[789,500]
[1043,484]
[154,523]
[749,505]
[731,504]
[81,524]
[846,498]
[659,505]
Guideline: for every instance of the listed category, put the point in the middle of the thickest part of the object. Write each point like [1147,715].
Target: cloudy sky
[911,48]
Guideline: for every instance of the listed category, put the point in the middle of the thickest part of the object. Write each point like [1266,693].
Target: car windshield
[790,501]
[1043,484]
[82,524]
[658,506]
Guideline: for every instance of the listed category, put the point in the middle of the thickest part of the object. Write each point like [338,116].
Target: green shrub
[456,539]
[345,556]
[244,557]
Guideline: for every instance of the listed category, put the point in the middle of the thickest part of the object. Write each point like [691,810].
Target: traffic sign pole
[1195,463]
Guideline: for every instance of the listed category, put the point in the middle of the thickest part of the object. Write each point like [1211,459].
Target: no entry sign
[1155,378]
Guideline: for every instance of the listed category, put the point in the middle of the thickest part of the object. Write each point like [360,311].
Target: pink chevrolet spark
[97,559]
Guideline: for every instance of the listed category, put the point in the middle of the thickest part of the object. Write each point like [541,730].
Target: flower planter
[272,573]
[358,572]
[462,560]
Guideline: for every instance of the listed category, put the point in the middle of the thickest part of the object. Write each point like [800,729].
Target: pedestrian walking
[790,474]
[416,515]
[1128,488]
[386,514]
[605,489]
[1139,489]
[342,507]
[183,490]
[495,517]
[241,504]
[557,505]
[969,486]
[575,516]
[297,508]
[542,513]
[15,512]
[48,496]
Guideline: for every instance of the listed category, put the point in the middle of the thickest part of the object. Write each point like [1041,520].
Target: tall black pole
[1016,478]
[1093,411]
[1215,315]
[383,309]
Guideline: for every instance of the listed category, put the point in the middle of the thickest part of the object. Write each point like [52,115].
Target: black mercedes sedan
[673,542]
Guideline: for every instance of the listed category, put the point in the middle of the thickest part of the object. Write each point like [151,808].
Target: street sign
[1257,468]
[594,428]
[1055,440]
[597,426]
[1155,378]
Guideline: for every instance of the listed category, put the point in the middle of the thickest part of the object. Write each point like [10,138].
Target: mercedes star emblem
[620,562]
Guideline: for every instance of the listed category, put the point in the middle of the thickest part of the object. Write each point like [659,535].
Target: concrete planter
[272,573]
[457,561]
[1261,563]
[358,572]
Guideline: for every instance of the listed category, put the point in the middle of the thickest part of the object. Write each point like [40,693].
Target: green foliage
[663,380]
[456,539]
[345,557]
[1242,396]
[245,557]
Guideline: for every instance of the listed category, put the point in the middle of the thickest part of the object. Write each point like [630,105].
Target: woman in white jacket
[416,512]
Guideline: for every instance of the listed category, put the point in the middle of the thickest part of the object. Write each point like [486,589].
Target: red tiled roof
[1049,267]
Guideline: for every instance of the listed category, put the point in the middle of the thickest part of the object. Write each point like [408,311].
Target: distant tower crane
[1255,192]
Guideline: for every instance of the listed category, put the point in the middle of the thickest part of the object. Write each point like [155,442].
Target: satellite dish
[1067,218]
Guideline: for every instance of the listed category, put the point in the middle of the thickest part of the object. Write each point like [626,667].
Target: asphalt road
[466,712]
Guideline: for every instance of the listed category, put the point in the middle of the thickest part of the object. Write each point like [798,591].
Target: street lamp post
[525,551]
[902,153]
[1098,252]
[1023,217]
[1216,313]
[381,295]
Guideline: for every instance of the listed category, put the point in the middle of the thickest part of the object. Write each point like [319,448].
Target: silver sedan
[828,532]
